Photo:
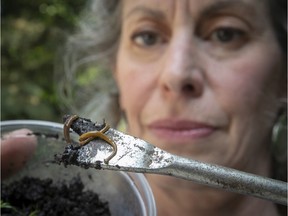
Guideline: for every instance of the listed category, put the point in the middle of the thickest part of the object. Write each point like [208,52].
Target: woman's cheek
[248,83]
[135,86]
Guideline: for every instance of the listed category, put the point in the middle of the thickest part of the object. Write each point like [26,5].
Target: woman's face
[200,78]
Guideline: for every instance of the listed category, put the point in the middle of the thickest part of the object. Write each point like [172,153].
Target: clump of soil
[33,196]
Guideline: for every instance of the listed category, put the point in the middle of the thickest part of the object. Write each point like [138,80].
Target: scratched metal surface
[136,155]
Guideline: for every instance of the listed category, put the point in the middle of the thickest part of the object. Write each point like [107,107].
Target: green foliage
[9,206]
[5,205]
[34,213]
[32,34]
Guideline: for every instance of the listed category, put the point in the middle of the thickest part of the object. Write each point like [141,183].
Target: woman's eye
[146,39]
[227,35]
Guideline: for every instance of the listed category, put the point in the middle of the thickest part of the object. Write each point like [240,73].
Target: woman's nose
[181,73]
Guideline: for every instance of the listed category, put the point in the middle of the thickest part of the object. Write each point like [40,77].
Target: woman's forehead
[193,7]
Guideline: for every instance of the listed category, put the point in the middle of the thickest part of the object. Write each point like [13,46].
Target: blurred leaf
[32,34]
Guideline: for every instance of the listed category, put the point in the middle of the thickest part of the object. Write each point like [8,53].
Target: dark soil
[32,196]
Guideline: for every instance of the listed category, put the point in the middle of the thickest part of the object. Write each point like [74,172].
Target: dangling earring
[279,147]
[279,130]
[279,139]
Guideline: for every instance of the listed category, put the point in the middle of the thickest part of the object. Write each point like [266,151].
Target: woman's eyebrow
[218,6]
[146,11]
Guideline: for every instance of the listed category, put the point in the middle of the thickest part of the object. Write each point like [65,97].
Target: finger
[16,149]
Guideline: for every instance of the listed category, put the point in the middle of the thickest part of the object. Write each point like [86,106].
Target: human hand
[16,149]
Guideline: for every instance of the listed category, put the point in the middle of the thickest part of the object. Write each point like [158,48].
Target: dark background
[32,34]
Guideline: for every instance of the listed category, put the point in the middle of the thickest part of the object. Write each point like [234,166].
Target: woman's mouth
[184,130]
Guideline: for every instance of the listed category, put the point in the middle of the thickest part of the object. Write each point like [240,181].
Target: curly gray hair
[85,82]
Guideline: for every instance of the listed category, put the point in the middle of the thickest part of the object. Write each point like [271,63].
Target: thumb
[17,148]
